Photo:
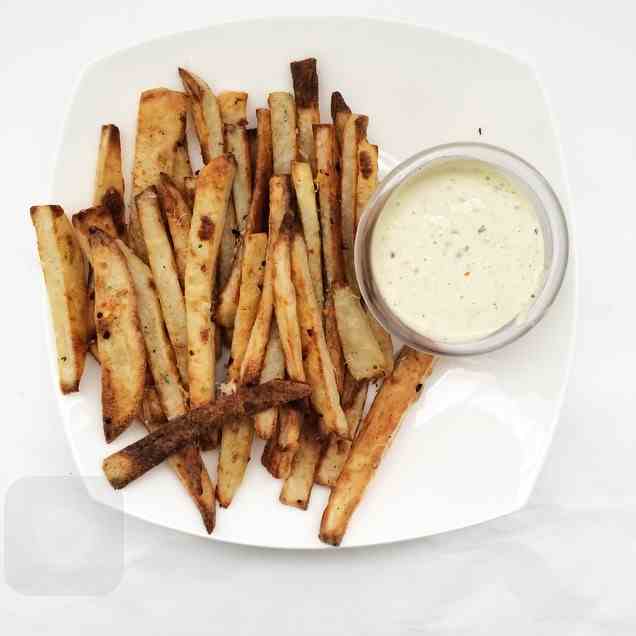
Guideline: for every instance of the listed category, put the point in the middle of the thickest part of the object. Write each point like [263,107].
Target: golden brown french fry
[285,306]
[355,130]
[229,243]
[332,337]
[99,217]
[339,115]
[265,422]
[65,278]
[262,171]
[122,352]
[164,271]
[398,392]
[384,340]
[289,431]
[305,78]
[233,106]
[296,490]
[284,143]
[206,115]
[182,166]
[277,460]
[227,304]
[214,185]
[236,440]
[237,144]
[178,216]
[367,176]
[327,182]
[109,180]
[308,212]
[279,197]
[189,190]
[161,124]
[318,365]
[136,459]
[365,359]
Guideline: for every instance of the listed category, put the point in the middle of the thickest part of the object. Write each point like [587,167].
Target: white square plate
[472,448]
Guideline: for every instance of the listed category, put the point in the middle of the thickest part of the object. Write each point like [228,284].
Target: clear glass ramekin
[555,235]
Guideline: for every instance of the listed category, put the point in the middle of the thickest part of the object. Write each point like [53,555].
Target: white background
[565,565]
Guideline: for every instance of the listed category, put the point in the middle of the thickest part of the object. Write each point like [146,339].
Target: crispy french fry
[99,217]
[161,124]
[327,182]
[227,304]
[236,445]
[178,216]
[206,115]
[138,458]
[273,369]
[277,460]
[233,105]
[237,144]
[262,171]
[367,176]
[285,306]
[164,271]
[332,337]
[354,398]
[384,340]
[214,185]
[296,490]
[305,78]
[228,249]
[355,130]
[339,115]
[109,180]
[318,365]
[279,197]
[120,342]
[182,166]
[189,190]
[398,392]
[308,211]
[365,359]
[284,143]
[289,431]
[64,274]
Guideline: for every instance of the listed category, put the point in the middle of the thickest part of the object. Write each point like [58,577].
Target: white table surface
[564,565]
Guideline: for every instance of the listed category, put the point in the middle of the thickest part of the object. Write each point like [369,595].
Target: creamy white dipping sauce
[458,251]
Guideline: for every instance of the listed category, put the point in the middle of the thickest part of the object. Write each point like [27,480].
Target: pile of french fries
[253,254]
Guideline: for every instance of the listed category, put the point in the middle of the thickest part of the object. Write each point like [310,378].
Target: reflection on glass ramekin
[550,215]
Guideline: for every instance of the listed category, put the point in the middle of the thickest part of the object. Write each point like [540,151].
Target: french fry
[164,271]
[99,217]
[227,251]
[227,304]
[339,115]
[365,359]
[187,463]
[354,400]
[273,369]
[398,392]
[109,180]
[308,212]
[133,461]
[253,144]
[289,432]
[233,106]
[318,365]
[206,115]
[296,489]
[367,176]
[285,306]
[64,275]
[120,342]
[279,198]
[189,190]
[236,440]
[327,182]
[305,79]
[284,143]
[262,171]
[182,166]
[214,185]
[332,337]
[178,216]
[161,124]
[277,460]
[384,340]
[355,130]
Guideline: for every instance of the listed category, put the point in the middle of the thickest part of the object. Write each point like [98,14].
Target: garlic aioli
[458,251]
